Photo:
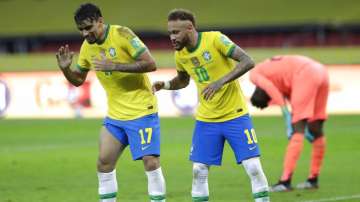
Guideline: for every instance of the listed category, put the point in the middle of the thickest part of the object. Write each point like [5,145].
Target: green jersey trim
[82,69]
[190,50]
[106,35]
[139,52]
[230,51]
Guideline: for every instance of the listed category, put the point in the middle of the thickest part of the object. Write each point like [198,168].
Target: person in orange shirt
[304,83]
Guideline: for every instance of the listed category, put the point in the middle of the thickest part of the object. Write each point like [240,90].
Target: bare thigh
[110,150]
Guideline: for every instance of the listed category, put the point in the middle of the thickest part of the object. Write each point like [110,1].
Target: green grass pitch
[54,160]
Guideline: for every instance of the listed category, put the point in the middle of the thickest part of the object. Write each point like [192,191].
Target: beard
[179,45]
[91,39]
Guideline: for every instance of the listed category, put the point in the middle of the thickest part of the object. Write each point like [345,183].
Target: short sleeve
[130,42]
[83,64]
[224,44]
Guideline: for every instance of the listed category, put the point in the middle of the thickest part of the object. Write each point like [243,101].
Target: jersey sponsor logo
[207,56]
[112,52]
[195,61]
[226,41]
[144,147]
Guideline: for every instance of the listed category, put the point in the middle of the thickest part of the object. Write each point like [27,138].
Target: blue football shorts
[209,138]
[142,134]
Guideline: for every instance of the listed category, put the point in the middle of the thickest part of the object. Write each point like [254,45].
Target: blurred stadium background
[49,130]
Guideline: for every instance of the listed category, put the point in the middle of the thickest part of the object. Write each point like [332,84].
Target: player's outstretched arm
[144,63]
[180,81]
[244,65]
[64,59]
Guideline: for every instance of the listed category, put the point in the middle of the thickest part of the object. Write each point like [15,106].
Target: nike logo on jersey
[252,148]
[145,147]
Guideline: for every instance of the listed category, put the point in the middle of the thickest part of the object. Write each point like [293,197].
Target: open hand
[103,64]
[157,85]
[211,89]
[64,57]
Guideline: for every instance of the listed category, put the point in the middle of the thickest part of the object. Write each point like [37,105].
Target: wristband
[167,85]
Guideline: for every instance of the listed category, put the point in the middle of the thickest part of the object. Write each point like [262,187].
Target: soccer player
[207,57]
[120,61]
[305,84]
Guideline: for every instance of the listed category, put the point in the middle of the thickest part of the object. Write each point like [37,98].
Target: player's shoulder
[211,34]
[124,32]
[213,37]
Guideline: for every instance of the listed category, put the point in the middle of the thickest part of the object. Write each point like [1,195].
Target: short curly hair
[181,14]
[87,11]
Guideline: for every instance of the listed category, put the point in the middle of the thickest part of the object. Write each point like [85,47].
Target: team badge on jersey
[112,52]
[226,41]
[195,61]
[206,55]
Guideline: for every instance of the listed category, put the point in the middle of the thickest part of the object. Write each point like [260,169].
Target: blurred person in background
[79,98]
[208,58]
[120,60]
[304,83]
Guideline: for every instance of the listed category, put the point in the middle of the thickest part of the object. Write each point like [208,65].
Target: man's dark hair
[260,98]
[87,11]
[181,14]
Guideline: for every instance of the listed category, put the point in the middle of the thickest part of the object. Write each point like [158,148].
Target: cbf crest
[112,52]
[195,61]
[207,56]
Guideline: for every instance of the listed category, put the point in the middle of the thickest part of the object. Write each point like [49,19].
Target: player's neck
[194,40]
[103,33]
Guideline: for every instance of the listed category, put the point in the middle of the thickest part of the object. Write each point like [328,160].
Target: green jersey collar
[190,50]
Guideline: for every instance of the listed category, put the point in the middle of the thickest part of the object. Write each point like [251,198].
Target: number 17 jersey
[206,63]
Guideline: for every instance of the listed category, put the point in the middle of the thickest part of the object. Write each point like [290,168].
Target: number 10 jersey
[206,63]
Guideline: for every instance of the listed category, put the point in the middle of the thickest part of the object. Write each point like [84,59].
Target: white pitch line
[340,198]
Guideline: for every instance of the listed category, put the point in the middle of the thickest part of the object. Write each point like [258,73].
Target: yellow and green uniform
[206,63]
[129,94]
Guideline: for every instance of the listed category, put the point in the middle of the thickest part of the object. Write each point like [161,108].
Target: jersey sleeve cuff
[139,52]
[82,69]
[231,50]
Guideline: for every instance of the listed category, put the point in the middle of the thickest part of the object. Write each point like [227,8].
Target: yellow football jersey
[206,63]
[129,95]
